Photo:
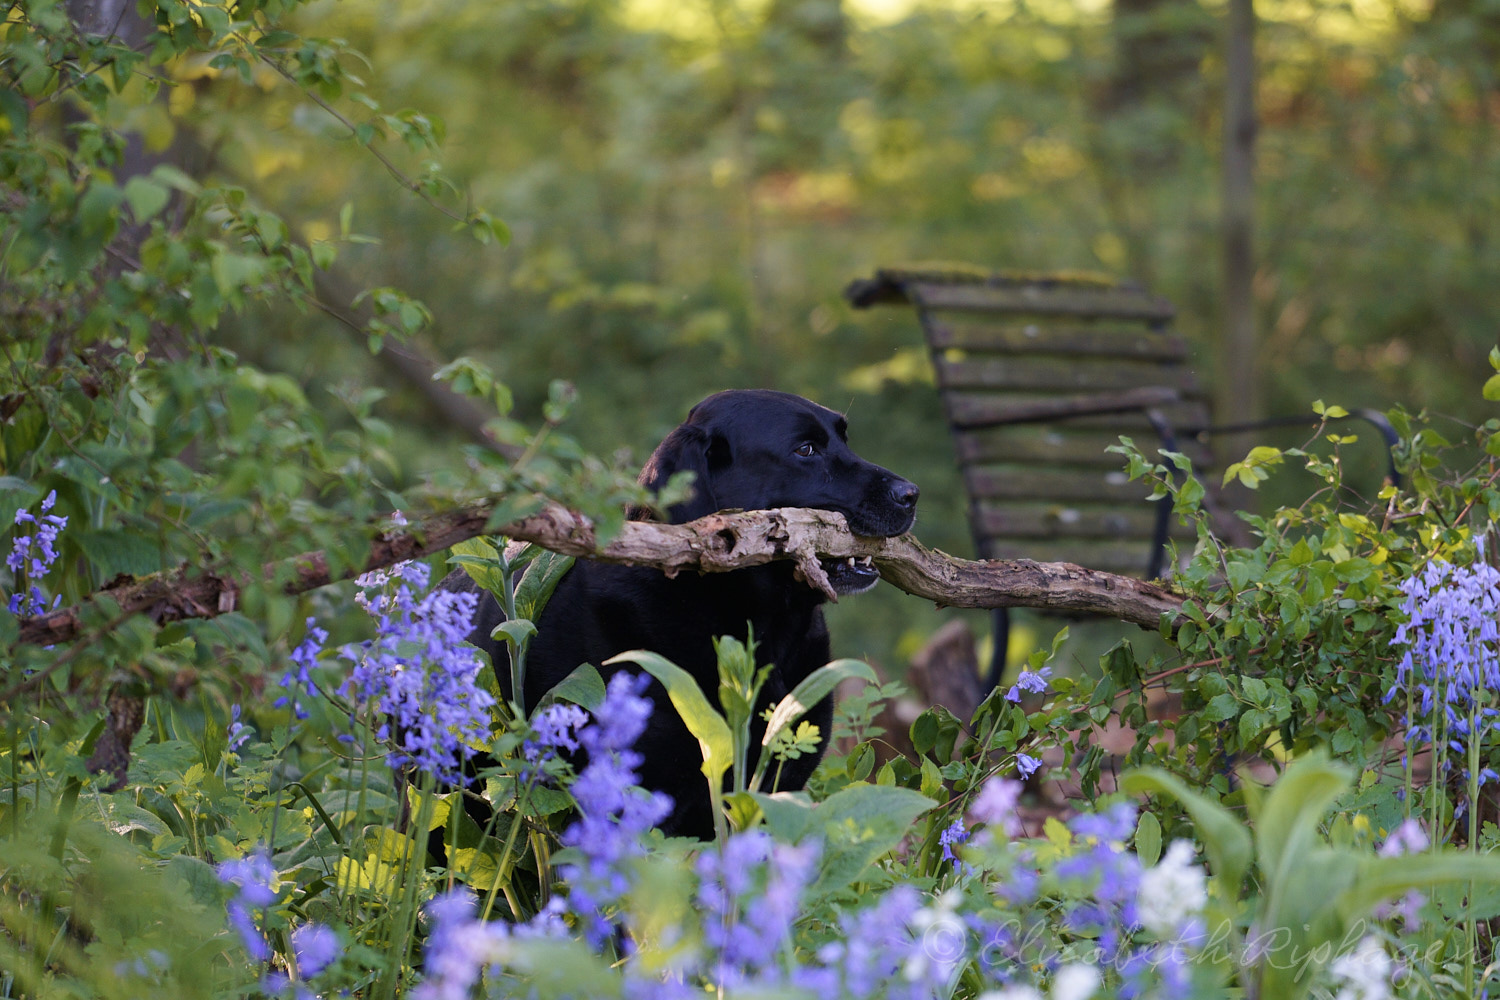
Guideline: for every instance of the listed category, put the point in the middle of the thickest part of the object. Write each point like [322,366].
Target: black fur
[743,445]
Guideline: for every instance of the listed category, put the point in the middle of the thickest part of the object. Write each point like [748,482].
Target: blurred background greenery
[691,183]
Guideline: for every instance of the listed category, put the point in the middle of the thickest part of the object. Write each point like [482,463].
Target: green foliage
[1311,893]
[1287,644]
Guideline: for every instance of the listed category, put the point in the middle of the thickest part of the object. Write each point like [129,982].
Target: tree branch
[714,544]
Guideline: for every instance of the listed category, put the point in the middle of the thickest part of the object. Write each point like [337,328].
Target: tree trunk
[1239,362]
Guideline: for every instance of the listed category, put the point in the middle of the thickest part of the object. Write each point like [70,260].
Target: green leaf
[700,717]
[1148,839]
[1288,822]
[583,687]
[1223,706]
[16,109]
[924,732]
[146,197]
[860,824]
[814,688]
[1225,839]
[516,631]
[117,551]
[1492,388]
[743,810]
[481,561]
[788,814]
[932,778]
[1381,879]
[234,271]
[539,581]
[323,254]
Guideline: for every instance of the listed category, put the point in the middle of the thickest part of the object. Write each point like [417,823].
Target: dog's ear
[689,448]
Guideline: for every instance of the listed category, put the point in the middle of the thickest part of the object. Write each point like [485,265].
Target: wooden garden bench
[1039,373]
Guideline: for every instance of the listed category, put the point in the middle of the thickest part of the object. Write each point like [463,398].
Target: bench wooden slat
[983,410]
[1034,338]
[1030,374]
[1076,522]
[1040,300]
[1053,445]
[1125,558]
[1030,482]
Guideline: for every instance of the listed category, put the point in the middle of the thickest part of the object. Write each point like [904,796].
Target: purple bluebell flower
[750,894]
[613,813]
[316,947]
[298,681]
[995,806]
[1450,662]
[870,953]
[255,878]
[1110,873]
[1407,838]
[32,555]
[954,835]
[1034,681]
[154,963]
[556,728]
[238,733]
[1027,765]
[458,948]
[421,676]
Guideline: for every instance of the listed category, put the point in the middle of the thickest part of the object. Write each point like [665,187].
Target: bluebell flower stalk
[32,555]
[255,880]
[1450,666]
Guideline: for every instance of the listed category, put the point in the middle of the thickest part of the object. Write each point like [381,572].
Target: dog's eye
[806,449]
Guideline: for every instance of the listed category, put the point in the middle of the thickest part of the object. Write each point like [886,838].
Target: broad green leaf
[814,688]
[743,810]
[788,814]
[701,718]
[146,197]
[583,687]
[1148,838]
[199,879]
[860,824]
[1225,839]
[564,968]
[1381,879]
[1288,822]
[544,572]
[517,630]
[1492,388]
[479,558]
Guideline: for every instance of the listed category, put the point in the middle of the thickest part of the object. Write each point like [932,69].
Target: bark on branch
[713,544]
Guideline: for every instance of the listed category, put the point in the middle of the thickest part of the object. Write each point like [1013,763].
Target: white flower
[1365,972]
[1173,891]
[1075,982]
[942,938]
[1011,993]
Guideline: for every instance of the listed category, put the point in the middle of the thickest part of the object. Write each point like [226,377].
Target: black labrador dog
[751,449]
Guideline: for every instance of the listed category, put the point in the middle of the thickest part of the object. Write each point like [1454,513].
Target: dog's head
[754,449]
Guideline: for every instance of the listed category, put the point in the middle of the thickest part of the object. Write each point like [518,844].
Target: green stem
[516,649]
[406,914]
[502,875]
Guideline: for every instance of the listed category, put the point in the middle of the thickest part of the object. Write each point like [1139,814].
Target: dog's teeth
[851,562]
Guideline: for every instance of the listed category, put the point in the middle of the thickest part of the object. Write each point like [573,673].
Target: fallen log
[713,544]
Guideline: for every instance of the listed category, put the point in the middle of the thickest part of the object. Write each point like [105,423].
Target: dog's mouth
[852,575]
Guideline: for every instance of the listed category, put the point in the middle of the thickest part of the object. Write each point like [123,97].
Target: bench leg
[1000,631]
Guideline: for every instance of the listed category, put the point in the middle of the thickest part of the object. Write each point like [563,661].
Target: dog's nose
[904,493]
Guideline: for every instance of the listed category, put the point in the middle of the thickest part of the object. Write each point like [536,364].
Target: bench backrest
[1039,373]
